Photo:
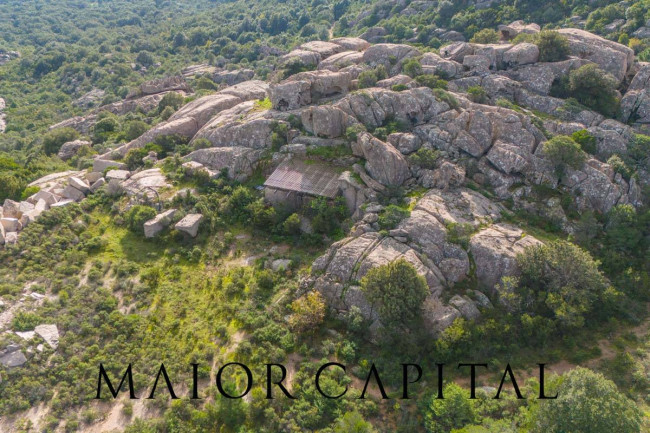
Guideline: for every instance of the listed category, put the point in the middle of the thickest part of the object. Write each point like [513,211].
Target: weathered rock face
[70,149]
[635,105]
[351,44]
[11,356]
[145,182]
[324,49]
[612,57]
[383,162]
[391,56]
[326,121]
[241,126]
[341,60]
[495,249]
[162,85]
[516,27]
[420,239]
[308,87]
[238,161]
[521,54]
[233,77]
[49,333]
[247,90]
[434,64]
[301,57]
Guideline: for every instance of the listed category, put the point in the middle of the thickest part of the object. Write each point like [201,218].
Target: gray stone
[280,264]
[189,224]
[79,184]
[97,184]
[157,224]
[120,175]
[100,165]
[49,333]
[12,356]
[11,224]
[71,148]
[73,193]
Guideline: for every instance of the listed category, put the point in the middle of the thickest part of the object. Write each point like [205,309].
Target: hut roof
[305,177]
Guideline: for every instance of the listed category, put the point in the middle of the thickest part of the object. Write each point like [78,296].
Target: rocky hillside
[458,161]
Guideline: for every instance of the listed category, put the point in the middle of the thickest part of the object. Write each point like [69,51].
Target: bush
[137,216]
[594,88]
[327,215]
[453,412]
[134,129]
[391,216]
[477,94]
[367,79]
[431,81]
[397,291]
[291,226]
[412,68]
[563,152]
[425,158]
[10,186]
[171,99]
[54,139]
[353,131]
[167,113]
[619,166]
[485,36]
[553,46]
[586,141]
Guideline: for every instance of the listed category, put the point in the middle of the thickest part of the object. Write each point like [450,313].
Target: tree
[54,139]
[553,46]
[587,403]
[563,152]
[171,99]
[353,422]
[308,312]
[397,291]
[559,280]
[453,412]
[485,36]
[594,88]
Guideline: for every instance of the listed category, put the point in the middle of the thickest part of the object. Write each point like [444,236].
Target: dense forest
[241,291]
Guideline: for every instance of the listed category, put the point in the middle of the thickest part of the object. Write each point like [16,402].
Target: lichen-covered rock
[436,65]
[326,121]
[352,44]
[521,54]
[189,224]
[383,162]
[247,90]
[71,148]
[233,77]
[301,57]
[391,56]
[341,60]
[324,49]
[158,223]
[612,57]
[238,161]
[495,249]
[161,85]
[49,333]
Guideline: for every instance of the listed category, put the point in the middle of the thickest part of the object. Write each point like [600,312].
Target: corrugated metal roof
[308,178]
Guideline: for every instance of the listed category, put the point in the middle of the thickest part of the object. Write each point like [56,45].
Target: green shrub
[451,413]
[291,226]
[485,36]
[412,68]
[431,81]
[477,94]
[353,131]
[137,216]
[619,166]
[171,99]
[391,216]
[367,79]
[563,152]
[29,191]
[586,141]
[53,140]
[553,46]
[167,113]
[425,158]
[606,409]
[399,87]
[204,83]
[134,129]
[397,291]
[447,98]
[594,88]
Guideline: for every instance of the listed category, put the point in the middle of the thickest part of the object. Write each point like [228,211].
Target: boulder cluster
[493,144]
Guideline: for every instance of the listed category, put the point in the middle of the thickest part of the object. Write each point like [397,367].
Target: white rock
[73,193]
[62,203]
[46,196]
[100,165]
[93,176]
[155,225]
[49,333]
[26,335]
[97,184]
[190,224]
[118,175]
[11,224]
[79,184]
